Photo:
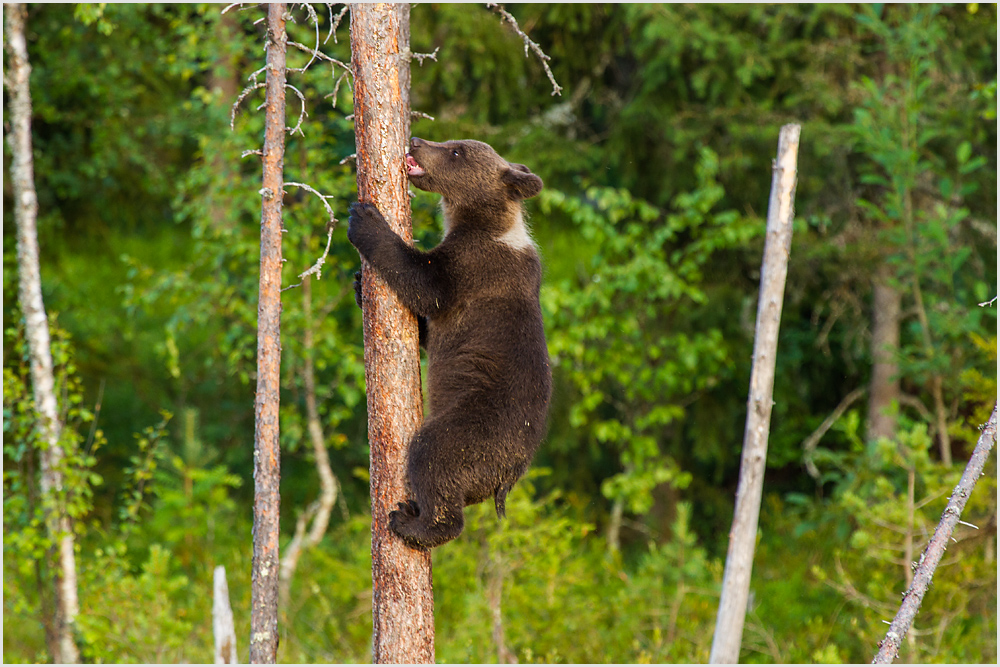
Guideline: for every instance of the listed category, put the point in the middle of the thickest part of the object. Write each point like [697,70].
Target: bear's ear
[522,183]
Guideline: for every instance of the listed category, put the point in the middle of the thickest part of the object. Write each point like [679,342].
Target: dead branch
[315,51]
[335,21]
[319,55]
[336,87]
[810,443]
[302,113]
[236,105]
[528,43]
[423,56]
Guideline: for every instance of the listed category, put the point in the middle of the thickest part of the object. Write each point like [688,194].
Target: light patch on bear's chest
[445,216]
[517,236]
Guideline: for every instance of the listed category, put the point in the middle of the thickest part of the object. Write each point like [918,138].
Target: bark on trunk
[929,560]
[63,647]
[402,596]
[265,574]
[222,620]
[742,537]
[884,386]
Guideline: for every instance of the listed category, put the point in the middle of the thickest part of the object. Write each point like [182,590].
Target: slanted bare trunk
[932,554]
[884,385]
[402,596]
[62,645]
[265,577]
[742,536]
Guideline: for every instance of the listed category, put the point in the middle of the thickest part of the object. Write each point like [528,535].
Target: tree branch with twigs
[528,44]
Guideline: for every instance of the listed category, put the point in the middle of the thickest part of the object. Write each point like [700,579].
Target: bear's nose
[417,141]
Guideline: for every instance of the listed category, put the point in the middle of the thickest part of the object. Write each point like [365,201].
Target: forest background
[657,163]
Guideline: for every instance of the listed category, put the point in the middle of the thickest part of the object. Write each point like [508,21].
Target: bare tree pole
[742,536]
[889,647]
[62,647]
[267,473]
[402,595]
[222,620]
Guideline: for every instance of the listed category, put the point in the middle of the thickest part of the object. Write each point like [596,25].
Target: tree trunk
[265,577]
[402,596]
[495,571]
[884,386]
[222,620]
[63,647]
[615,525]
[929,560]
[742,536]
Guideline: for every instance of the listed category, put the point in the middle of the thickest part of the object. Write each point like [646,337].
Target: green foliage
[656,162]
[561,599]
[633,376]
[25,506]
[888,498]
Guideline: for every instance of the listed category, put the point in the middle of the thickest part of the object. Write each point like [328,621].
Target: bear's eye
[455,153]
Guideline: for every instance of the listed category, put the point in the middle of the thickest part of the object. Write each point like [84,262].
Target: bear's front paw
[364,227]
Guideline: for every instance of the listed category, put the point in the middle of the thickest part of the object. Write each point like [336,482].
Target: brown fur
[476,294]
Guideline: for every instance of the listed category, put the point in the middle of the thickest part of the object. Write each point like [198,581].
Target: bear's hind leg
[427,529]
[435,514]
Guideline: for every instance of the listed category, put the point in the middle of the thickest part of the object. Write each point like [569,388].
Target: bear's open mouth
[412,168]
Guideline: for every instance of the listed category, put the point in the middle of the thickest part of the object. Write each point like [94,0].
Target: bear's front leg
[417,278]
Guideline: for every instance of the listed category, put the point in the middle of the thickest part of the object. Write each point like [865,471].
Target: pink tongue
[412,167]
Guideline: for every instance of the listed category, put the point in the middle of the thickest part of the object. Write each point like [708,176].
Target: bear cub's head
[468,172]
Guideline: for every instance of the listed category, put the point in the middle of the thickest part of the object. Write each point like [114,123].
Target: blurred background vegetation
[656,160]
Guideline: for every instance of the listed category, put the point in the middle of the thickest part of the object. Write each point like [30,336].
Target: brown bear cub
[476,298]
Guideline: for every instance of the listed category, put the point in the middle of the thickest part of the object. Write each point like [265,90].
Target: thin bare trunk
[929,560]
[884,386]
[265,577]
[937,393]
[742,536]
[494,598]
[319,512]
[63,647]
[222,620]
[402,595]
[615,525]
